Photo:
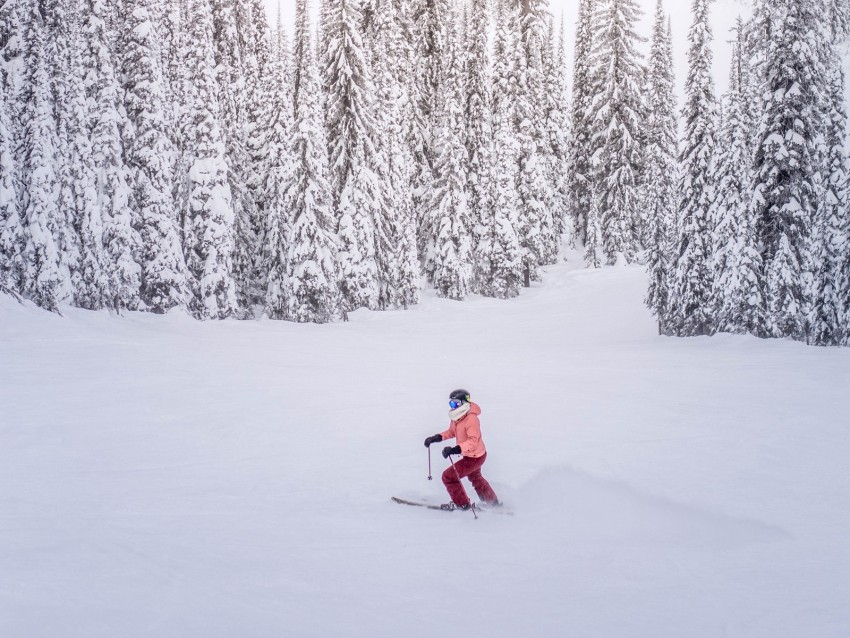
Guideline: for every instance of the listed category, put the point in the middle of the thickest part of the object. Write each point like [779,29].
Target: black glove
[433,439]
[450,450]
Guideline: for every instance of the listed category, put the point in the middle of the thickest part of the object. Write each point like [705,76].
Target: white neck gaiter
[459,412]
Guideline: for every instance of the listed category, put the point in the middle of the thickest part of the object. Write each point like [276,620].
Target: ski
[431,506]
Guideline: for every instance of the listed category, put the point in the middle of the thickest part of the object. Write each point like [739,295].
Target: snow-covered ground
[161,477]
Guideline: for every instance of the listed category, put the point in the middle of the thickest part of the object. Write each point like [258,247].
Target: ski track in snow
[165,477]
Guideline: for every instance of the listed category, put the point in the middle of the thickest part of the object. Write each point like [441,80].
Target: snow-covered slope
[164,477]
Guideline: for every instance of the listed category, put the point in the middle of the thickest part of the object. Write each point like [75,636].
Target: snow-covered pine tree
[479,136]
[430,33]
[690,310]
[12,235]
[843,286]
[549,122]
[281,74]
[410,274]
[268,144]
[228,20]
[839,12]
[830,243]
[208,218]
[396,248]
[432,29]
[585,85]
[322,30]
[616,128]
[119,239]
[148,150]
[81,249]
[115,19]
[463,34]
[43,279]
[497,262]
[795,40]
[233,28]
[755,54]
[280,167]
[309,286]
[13,15]
[352,142]
[170,18]
[449,250]
[535,228]
[659,198]
[10,27]
[593,241]
[558,129]
[737,295]
[838,237]
[405,12]
[257,72]
[72,150]
[11,230]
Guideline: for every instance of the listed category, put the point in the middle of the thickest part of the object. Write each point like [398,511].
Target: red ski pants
[470,468]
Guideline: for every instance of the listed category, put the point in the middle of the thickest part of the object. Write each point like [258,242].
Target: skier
[465,427]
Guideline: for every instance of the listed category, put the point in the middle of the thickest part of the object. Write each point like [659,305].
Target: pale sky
[724,15]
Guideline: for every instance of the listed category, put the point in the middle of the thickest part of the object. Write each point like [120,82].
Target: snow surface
[165,477]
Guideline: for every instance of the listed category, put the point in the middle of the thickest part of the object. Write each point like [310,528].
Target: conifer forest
[159,155]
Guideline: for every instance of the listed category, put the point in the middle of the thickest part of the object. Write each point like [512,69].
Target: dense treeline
[759,229]
[743,218]
[157,154]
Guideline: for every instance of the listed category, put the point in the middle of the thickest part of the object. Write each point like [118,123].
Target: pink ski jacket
[467,431]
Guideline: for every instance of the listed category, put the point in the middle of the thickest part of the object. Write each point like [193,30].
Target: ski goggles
[454,404]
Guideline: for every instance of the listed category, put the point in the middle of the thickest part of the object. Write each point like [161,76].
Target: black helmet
[459,395]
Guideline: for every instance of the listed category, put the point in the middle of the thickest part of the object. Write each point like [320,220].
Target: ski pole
[457,474]
[429,462]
